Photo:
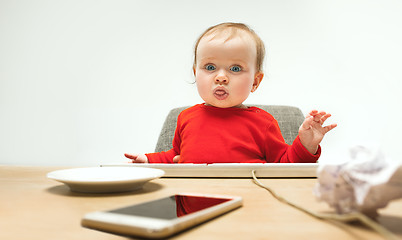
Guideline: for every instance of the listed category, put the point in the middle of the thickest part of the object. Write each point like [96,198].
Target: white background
[82,82]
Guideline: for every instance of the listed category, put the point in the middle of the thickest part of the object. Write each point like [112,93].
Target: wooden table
[34,207]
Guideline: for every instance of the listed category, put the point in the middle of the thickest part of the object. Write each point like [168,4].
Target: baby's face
[225,72]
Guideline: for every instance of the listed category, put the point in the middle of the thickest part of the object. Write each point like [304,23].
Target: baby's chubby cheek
[203,88]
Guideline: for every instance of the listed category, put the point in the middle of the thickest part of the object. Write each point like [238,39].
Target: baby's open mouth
[221,93]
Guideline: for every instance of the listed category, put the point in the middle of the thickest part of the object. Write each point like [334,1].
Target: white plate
[105,179]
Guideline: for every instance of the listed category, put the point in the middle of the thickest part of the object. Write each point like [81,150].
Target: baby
[228,61]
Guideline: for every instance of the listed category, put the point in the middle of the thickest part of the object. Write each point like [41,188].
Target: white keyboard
[230,169]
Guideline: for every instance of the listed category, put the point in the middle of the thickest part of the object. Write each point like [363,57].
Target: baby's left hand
[311,132]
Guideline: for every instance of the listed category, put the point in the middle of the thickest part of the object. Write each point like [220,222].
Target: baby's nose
[221,78]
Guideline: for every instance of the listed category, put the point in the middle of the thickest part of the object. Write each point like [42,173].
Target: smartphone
[162,217]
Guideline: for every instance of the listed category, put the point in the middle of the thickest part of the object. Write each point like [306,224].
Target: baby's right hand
[137,158]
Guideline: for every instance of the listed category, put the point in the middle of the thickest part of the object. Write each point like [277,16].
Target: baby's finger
[176,159]
[318,116]
[307,123]
[312,113]
[330,127]
[131,156]
[325,117]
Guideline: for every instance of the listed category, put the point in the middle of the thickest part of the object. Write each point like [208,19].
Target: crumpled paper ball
[365,182]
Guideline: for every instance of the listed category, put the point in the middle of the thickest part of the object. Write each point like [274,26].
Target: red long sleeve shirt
[206,134]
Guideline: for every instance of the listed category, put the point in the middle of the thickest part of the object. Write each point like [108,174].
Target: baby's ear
[257,80]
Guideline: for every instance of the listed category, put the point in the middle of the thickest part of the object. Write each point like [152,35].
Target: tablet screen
[171,207]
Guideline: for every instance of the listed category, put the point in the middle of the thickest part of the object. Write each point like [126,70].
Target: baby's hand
[311,132]
[137,158]
[176,159]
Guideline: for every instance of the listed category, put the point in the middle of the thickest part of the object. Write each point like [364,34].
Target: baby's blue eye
[210,67]
[235,69]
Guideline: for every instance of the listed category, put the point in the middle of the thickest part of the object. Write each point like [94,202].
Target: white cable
[356,216]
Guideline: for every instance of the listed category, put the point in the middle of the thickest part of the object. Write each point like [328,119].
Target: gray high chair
[289,119]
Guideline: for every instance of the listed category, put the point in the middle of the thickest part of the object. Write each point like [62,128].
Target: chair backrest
[289,119]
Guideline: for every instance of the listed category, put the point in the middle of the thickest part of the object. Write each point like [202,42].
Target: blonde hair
[235,29]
